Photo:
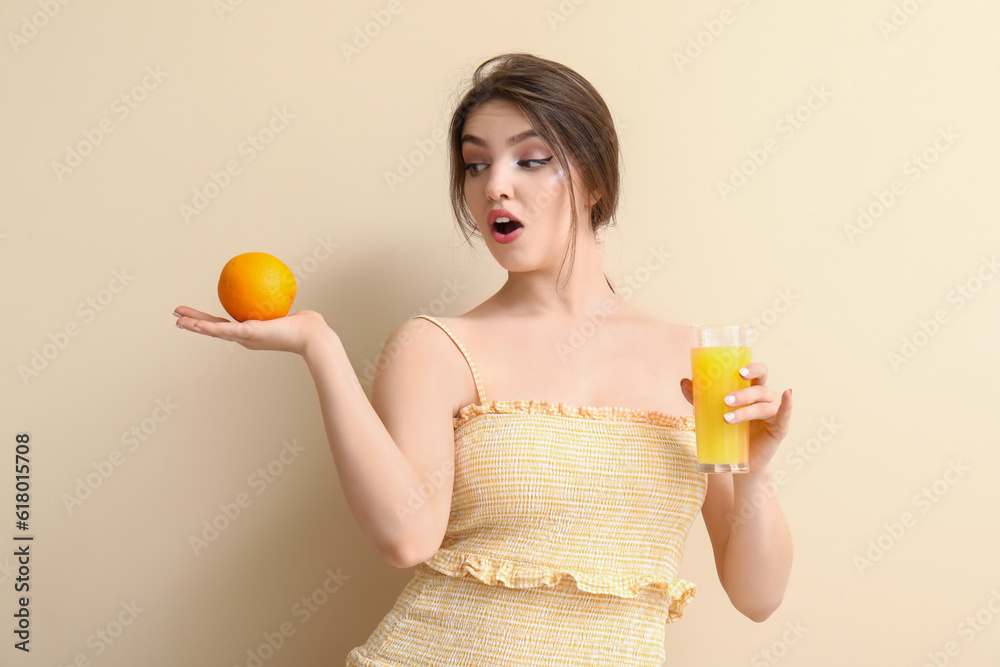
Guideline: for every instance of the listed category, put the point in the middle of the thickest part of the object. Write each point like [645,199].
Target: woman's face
[511,174]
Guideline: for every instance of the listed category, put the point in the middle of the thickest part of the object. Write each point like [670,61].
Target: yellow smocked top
[544,490]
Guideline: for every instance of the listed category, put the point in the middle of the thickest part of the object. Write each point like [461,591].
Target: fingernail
[729,399]
[176,314]
[728,416]
[179,326]
[744,372]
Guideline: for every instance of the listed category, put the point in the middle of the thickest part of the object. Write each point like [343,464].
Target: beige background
[886,80]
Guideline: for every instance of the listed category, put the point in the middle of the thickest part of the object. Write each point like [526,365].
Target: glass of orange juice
[717,354]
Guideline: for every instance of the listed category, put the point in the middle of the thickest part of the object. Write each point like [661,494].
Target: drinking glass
[718,353]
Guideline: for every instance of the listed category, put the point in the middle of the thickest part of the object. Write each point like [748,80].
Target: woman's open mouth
[505,228]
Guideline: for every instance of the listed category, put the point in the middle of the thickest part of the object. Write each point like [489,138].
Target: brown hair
[566,111]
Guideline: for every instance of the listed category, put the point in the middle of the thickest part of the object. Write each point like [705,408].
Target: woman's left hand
[769,413]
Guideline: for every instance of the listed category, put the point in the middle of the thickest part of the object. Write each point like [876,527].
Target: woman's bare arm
[395,454]
[750,539]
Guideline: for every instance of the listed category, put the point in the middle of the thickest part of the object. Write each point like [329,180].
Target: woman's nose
[498,182]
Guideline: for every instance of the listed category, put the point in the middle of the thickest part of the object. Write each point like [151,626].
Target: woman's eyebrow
[513,141]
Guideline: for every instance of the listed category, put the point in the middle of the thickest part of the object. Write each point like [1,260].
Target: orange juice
[722,447]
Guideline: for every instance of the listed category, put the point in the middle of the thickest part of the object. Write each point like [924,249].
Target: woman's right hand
[285,334]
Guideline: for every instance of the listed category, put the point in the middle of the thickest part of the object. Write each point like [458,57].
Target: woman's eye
[534,164]
[475,168]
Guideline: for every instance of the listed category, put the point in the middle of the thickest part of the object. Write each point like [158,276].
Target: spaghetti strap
[468,358]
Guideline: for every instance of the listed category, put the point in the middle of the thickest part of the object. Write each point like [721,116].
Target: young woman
[534,457]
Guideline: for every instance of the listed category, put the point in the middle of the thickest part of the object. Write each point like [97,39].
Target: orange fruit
[256,286]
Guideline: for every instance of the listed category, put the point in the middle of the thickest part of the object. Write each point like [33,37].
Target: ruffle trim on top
[541,407]
[512,574]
